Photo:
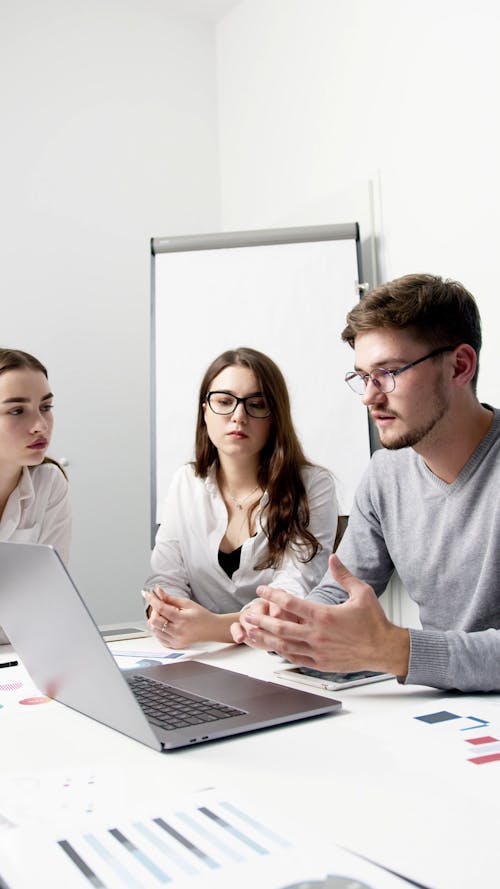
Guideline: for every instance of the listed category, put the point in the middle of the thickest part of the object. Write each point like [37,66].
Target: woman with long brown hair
[34,502]
[249,510]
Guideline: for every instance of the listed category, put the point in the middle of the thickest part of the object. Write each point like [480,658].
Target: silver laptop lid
[58,642]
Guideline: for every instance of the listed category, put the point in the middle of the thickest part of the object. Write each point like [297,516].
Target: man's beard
[414,436]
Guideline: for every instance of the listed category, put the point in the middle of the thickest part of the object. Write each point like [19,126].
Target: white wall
[108,138]
[323,103]
[316,98]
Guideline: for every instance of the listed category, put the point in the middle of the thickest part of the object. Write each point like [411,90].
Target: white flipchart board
[285,292]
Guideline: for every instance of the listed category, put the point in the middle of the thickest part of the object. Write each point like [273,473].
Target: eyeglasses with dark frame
[385,380]
[225,403]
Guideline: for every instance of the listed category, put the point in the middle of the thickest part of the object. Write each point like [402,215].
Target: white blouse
[185,557]
[38,511]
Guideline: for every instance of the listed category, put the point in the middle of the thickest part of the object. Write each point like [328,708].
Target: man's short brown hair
[440,311]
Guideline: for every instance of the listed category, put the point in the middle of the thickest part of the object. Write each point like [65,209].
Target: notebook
[54,635]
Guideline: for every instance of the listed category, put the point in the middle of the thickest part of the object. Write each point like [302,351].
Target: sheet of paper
[152,653]
[132,660]
[208,840]
[36,799]
[18,691]
[465,730]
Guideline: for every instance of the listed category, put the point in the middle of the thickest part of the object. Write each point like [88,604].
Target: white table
[373,778]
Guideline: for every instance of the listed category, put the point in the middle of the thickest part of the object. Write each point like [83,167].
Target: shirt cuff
[429,659]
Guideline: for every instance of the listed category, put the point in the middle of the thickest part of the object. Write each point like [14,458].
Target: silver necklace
[239,503]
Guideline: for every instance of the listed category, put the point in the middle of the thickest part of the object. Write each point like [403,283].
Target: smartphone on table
[331,681]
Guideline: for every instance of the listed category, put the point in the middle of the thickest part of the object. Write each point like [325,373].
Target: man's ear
[464,364]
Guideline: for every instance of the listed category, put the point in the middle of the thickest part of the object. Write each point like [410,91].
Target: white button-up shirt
[185,557]
[38,511]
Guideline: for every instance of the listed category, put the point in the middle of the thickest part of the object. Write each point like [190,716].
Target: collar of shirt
[212,486]
[25,487]
[24,491]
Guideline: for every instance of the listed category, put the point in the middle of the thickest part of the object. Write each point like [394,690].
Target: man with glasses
[427,507]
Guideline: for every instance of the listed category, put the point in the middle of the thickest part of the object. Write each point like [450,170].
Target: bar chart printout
[206,842]
[477,737]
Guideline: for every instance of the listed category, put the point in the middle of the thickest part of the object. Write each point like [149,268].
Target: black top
[230,562]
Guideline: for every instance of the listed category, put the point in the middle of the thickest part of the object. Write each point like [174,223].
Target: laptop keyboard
[169,708]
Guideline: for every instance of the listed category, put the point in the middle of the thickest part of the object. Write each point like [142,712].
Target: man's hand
[355,635]
[178,623]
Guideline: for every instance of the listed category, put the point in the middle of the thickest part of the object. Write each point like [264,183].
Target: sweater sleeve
[455,659]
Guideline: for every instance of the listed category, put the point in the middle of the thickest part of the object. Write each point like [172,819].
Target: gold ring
[164,627]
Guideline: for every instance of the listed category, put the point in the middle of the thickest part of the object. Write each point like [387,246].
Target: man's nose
[373,393]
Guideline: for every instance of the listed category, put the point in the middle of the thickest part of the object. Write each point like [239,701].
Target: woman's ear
[464,365]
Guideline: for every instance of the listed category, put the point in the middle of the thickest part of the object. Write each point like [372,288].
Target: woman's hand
[178,623]
[241,628]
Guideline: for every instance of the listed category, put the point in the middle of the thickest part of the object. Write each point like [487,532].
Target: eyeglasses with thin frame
[385,380]
[225,403]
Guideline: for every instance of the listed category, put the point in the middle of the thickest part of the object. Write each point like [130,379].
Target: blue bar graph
[166,849]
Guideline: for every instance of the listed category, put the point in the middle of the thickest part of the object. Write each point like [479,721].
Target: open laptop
[58,642]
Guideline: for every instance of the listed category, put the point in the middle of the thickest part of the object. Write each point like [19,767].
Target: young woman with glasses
[249,510]
[34,502]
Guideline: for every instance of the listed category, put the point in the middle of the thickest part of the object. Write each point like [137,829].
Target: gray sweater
[444,542]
